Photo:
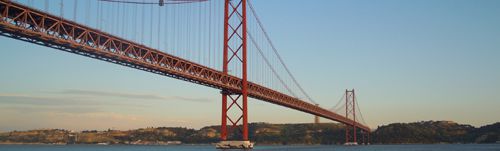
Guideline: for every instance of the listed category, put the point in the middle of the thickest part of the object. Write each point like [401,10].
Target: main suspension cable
[157,3]
[278,55]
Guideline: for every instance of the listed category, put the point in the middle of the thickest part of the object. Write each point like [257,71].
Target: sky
[408,61]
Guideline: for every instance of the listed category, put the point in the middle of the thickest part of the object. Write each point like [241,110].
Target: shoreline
[260,144]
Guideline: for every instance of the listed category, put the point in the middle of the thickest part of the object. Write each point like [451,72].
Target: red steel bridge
[181,39]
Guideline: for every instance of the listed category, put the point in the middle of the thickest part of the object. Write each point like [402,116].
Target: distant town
[425,132]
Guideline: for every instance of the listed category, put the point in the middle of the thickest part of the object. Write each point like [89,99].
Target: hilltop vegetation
[264,133]
[436,132]
[422,132]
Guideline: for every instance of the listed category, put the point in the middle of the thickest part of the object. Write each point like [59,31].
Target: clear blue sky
[408,61]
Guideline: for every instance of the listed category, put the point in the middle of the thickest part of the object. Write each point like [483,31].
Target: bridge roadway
[34,26]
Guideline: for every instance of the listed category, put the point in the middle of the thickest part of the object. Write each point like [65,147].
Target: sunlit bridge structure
[220,44]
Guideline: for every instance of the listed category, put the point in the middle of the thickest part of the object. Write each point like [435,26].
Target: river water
[436,147]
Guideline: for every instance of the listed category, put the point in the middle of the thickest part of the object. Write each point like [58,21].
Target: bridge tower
[235,52]
[351,131]
[350,112]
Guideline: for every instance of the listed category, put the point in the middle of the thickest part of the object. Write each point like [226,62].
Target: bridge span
[35,26]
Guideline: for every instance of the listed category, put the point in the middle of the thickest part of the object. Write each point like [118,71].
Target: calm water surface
[446,147]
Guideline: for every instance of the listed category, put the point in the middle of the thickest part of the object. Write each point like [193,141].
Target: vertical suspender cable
[61,8]
[116,17]
[97,21]
[46,5]
[104,17]
[142,23]
[87,14]
[188,30]
[174,30]
[134,25]
[166,27]
[187,13]
[151,27]
[123,20]
[75,7]
[219,43]
[117,23]
[209,34]
[205,31]
[112,19]
[109,19]
[119,20]
[126,21]
[159,29]
[199,34]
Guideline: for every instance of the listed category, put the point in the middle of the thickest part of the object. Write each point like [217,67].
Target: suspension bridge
[220,44]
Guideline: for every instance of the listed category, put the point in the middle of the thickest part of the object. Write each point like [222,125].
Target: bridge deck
[31,25]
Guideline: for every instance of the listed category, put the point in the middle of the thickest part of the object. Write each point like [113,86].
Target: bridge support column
[235,52]
[316,117]
[367,138]
[362,137]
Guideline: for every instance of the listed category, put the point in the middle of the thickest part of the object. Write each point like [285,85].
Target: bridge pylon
[350,112]
[235,52]
[350,129]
